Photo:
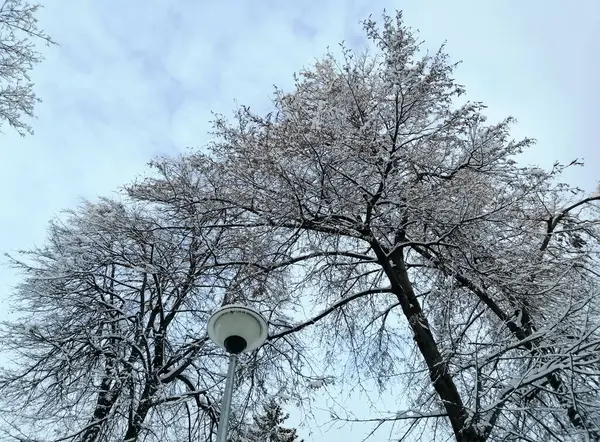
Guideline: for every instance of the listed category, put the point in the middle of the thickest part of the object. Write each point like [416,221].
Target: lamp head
[237,329]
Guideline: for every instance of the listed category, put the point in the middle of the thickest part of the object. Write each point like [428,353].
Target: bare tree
[111,342]
[387,233]
[405,221]
[18,32]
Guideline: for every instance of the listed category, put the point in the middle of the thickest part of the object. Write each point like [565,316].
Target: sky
[131,80]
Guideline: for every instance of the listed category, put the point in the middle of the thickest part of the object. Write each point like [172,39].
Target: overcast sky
[134,79]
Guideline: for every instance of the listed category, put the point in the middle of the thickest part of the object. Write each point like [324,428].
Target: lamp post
[236,329]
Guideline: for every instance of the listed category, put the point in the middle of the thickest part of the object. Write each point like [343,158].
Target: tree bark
[135,423]
[136,420]
[438,368]
[106,400]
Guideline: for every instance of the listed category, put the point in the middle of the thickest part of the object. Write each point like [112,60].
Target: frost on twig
[19,33]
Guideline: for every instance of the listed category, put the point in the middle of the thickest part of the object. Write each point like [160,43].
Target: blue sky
[134,79]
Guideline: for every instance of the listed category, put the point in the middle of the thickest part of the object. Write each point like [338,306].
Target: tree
[267,427]
[370,215]
[111,343]
[18,31]
[395,208]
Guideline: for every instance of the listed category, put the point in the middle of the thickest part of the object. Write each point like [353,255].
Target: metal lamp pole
[237,329]
[226,405]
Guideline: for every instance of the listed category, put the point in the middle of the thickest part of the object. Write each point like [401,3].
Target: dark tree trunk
[136,421]
[108,394]
[104,404]
[438,368]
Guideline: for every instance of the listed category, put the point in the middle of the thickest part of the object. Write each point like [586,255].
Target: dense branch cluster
[18,33]
[378,225]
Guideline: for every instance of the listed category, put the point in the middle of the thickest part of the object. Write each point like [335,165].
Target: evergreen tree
[267,426]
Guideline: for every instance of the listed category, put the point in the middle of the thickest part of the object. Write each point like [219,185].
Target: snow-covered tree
[268,426]
[111,343]
[18,32]
[405,221]
[383,227]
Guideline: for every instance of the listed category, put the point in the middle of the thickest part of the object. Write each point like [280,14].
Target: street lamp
[236,329]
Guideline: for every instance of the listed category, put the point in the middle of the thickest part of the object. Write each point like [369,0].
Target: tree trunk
[109,392]
[104,404]
[438,369]
[136,421]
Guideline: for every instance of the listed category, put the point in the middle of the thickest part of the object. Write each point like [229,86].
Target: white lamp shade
[238,320]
